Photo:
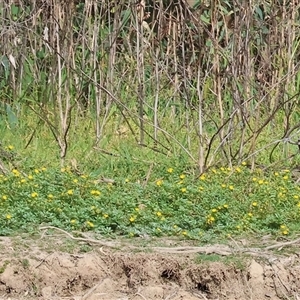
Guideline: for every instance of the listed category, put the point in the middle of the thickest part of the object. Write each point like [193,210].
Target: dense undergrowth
[191,108]
[166,201]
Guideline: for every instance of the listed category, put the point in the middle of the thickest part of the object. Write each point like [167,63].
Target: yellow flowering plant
[222,201]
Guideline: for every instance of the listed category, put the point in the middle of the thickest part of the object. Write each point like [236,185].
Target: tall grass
[212,83]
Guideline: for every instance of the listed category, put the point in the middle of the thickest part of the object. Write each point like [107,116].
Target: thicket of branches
[221,74]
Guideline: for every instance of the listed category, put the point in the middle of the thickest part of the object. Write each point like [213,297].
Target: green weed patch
[219,203]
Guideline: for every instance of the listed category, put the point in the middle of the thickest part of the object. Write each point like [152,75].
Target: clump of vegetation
[221,202]
[3,267]
[167,98]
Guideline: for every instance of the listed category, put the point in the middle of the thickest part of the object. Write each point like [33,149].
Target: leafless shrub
[221,73]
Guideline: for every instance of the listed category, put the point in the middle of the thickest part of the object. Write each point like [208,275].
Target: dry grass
[220,74]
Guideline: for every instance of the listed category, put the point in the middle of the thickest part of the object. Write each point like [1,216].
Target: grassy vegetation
[192,111]
[161,199]
[239,262]
[3,267]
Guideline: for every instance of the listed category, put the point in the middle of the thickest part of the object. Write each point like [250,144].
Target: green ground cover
[167,201]
[196,122]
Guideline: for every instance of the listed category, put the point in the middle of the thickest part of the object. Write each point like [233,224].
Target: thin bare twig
[87,240]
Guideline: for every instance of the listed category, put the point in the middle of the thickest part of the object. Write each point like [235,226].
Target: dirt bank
[57,267]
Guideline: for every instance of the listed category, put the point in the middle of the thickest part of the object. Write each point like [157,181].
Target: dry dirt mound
[60,269]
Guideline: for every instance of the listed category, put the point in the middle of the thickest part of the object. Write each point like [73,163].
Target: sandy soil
[58,267]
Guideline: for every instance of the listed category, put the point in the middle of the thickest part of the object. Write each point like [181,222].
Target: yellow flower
[276,174]
[285,177]
[63,170]
[244,163]
[184,233]
[282,227]
[95,192]
[30,177]
[36,171]
[105,216]
[223,185]
[90,224]
[70,192]
[126,180]
[260,181]
[23,180]
[183,190]
[16,172]
[225,205]
[8,217]
[4,197]
[214,210]
[137,209]
[34,195]
[201,188]
[75,180]
[296,197]
[250,215]
[159,182]
[254,203]
[10,147]
[285,232]
[73,221]
[43,169]
[50,196]
[182,176]
[132,219]
[158,229]
[254,179]
[210,219]
[159,214]
[202,177]
[231,187]
[238,170]
[170,170]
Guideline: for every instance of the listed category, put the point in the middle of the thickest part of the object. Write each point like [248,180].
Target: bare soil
[59,267]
